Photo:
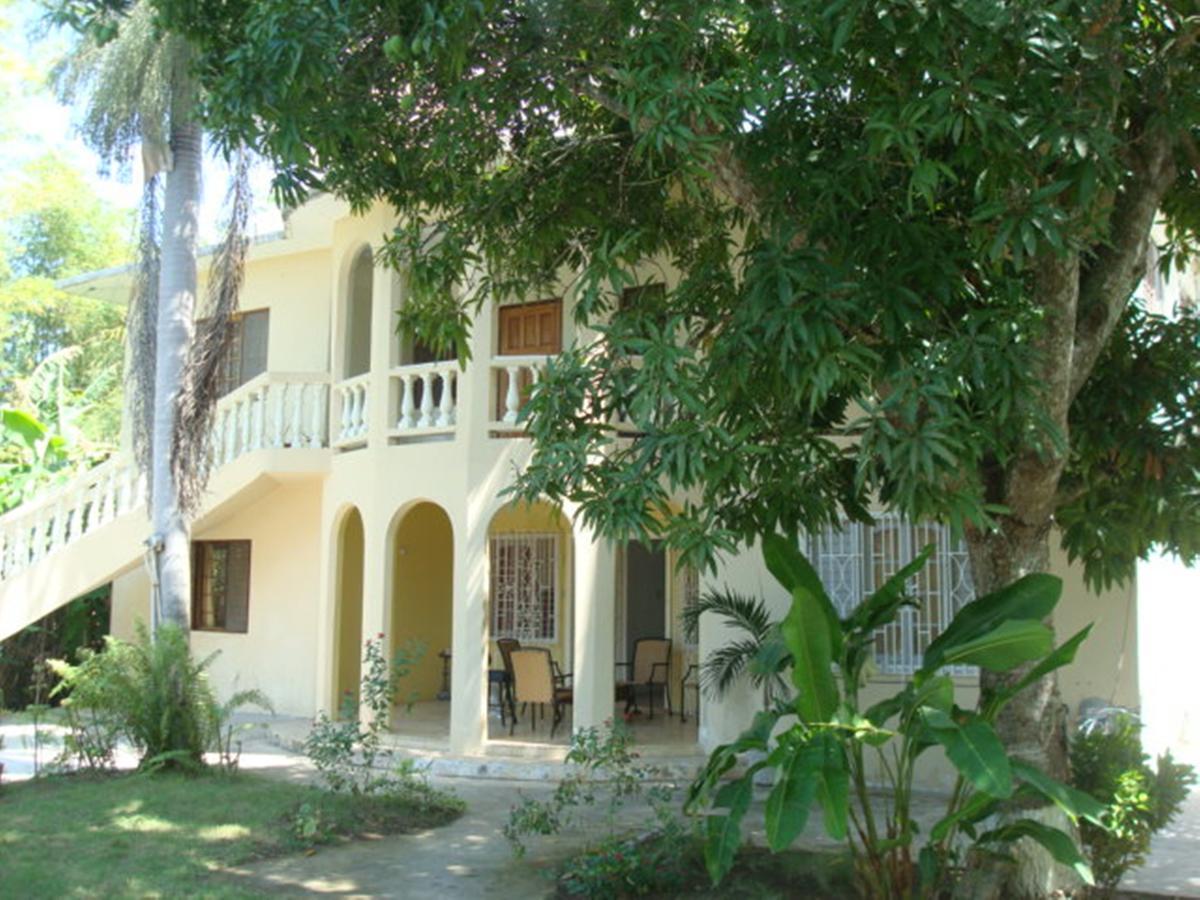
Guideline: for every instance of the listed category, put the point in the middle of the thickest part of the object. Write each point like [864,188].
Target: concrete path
[471,858]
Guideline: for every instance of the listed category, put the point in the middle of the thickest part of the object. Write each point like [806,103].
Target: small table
[444,693]
[500,678]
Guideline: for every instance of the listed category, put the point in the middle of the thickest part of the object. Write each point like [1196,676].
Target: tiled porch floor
[428,724]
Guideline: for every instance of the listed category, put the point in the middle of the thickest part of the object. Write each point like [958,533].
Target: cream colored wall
[1106,666]
[348,616]
[423,595]
[276,653]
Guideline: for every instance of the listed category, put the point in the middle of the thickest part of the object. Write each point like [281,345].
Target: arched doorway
[530,597]
[357,349]
[348,612]
[422,599]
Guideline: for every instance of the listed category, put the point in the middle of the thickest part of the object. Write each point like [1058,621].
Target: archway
[422,604]
[530,596]
[348,611]
[357,349]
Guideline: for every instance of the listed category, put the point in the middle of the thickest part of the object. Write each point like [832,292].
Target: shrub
[817,743]
[1108,762]
[347,752]
[152,693]
[608,771]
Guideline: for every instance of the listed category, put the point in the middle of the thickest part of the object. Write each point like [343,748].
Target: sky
[38,123]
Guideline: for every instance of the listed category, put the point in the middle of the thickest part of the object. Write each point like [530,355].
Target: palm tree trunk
[176,309]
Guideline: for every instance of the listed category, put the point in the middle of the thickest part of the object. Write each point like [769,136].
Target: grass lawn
[165,834]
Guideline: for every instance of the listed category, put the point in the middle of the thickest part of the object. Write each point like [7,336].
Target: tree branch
[1119,265]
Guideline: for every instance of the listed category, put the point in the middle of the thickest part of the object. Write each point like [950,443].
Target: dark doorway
[645,593]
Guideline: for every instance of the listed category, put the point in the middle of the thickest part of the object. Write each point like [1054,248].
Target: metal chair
[534,682]
[506,646]
[650,669]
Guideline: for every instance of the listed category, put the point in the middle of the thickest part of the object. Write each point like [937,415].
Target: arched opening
[422,598]
[357,359]
[530,601]
[348,612]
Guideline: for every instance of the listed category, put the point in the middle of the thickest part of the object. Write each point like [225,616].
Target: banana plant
[818,742]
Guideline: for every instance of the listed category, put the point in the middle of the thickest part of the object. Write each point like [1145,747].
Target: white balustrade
[513,377]
[353,395]
[280,411]
[426,397]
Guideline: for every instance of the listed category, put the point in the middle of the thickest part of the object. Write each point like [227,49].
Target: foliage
[822,757]
[652,863]
[348,752]
[61,353]
[605,769]
[724,665]
[152,693]
[1108,763]
[167,835]
[918,225]
[81,623]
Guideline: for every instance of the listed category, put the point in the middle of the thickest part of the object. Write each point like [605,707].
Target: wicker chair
[650,669]
[534,681]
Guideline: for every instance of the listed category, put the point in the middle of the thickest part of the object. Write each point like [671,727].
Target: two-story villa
[356,493]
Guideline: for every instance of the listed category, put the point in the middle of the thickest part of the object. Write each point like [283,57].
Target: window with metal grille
[690,588]
[857,559]
[524,582]
[221,586]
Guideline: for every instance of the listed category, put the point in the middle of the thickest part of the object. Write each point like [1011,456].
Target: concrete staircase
[91,530]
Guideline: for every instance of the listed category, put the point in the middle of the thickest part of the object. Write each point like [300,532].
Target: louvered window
[221,586]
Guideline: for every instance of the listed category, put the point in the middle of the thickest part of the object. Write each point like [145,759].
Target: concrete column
[377,607]
[327,595]
[468,672]
[383,339]
[595,598]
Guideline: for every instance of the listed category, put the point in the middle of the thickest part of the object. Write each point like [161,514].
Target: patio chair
[534,682]
[650,669]
[506,646]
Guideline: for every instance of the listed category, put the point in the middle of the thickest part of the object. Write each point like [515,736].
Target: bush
[347,751]
[152,693]
[1108,763]
[653,863]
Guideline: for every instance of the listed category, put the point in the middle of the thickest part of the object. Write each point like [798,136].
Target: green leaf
[978,806]
[881,607]
[1075,803]
[1005,647]
[833,786]
[974,749]
[1031,597]
[724,833]
[1059,844]
[24,426]
[806,631]
[1063,655]
[791,799]
[792,569]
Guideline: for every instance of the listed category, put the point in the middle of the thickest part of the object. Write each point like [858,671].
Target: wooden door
[528,329]
[531,329]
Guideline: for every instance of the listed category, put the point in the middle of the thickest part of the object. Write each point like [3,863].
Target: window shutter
[254,332]
[237,597]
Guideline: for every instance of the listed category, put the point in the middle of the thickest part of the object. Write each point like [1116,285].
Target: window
[524,584]
[221,586]
[247,354]
[857,559]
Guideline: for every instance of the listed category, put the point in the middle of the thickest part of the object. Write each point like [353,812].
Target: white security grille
[524,582]
[690,590]
[857,559]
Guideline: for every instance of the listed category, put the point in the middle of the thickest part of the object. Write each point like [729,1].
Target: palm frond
[191,456]
[725,664]
[738,610]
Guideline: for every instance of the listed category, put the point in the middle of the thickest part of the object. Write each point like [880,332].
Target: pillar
[595,600]
[468,673]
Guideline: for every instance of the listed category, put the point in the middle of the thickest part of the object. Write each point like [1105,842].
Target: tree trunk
[1033,725]
[176,308]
